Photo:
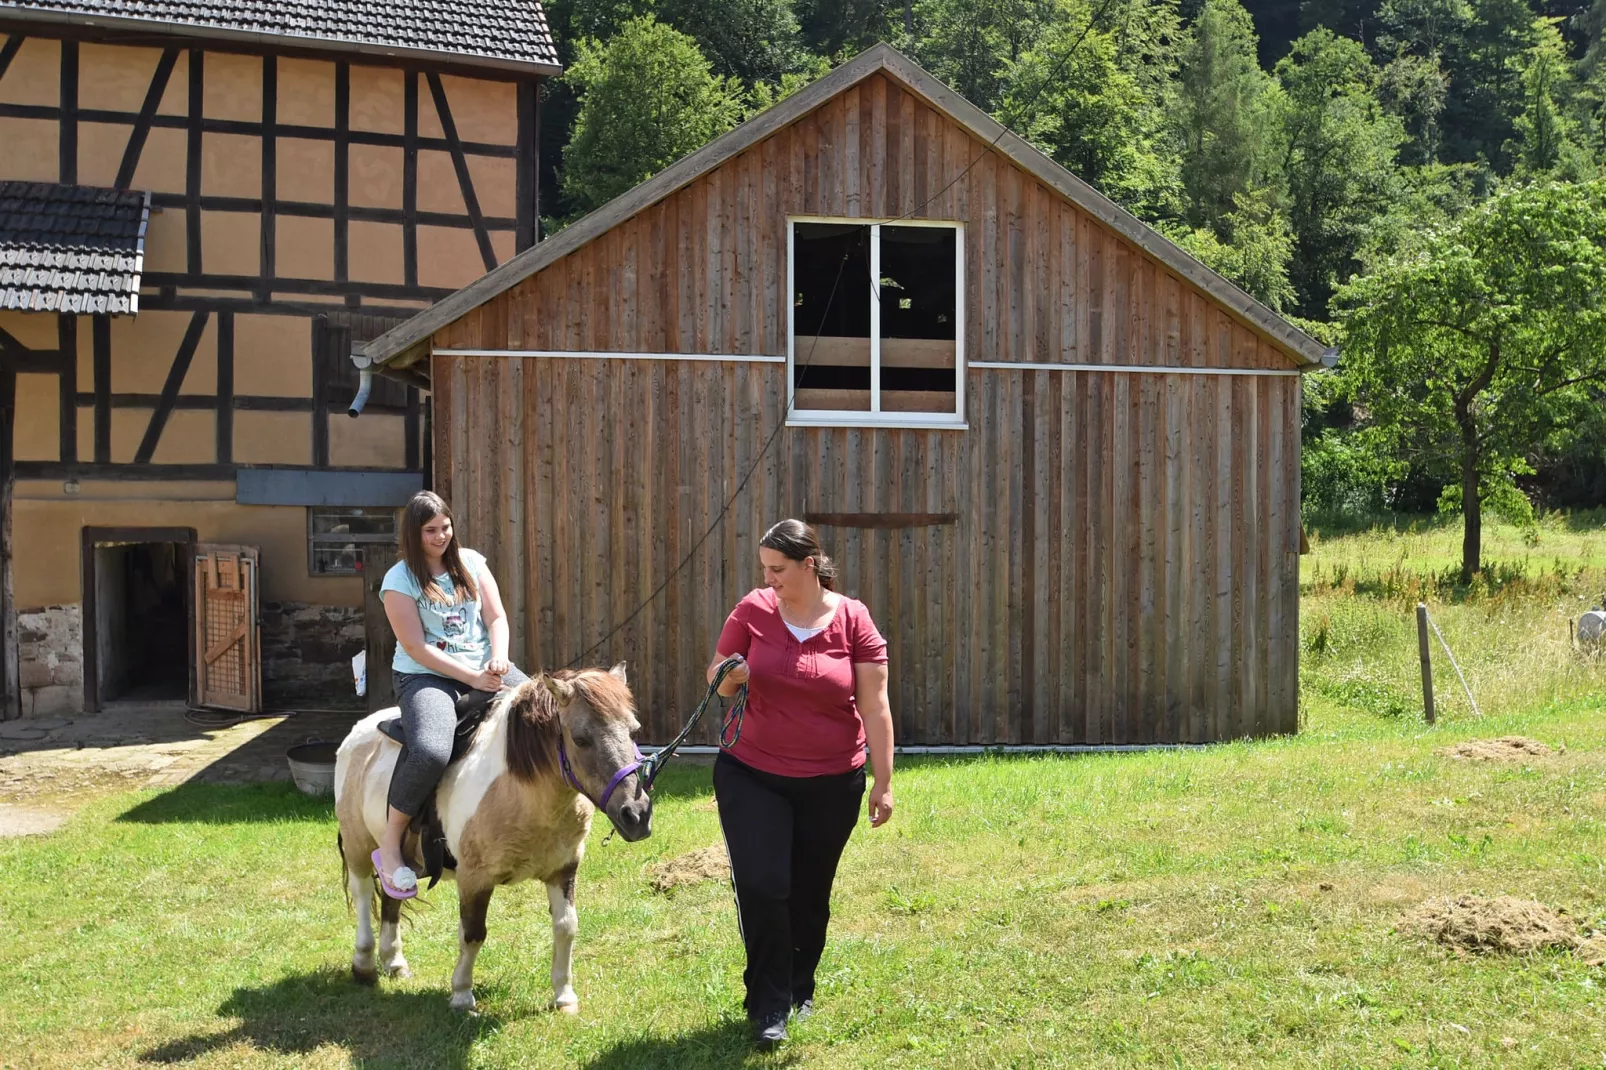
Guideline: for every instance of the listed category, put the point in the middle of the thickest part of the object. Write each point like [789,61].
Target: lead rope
[730,730]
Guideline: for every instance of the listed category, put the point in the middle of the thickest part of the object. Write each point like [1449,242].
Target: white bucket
[312,766]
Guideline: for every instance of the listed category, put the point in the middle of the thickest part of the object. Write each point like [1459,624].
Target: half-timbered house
[203,209]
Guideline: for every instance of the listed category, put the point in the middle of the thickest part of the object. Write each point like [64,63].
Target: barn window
[876,323]
[337,537]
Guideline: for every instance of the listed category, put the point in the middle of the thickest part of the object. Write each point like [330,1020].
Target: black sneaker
[801,1011]
[769,1030]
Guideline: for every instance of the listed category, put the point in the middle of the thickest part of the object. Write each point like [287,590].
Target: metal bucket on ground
[312,766]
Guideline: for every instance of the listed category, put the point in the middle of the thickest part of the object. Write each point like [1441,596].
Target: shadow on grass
[373,1026]
[725,1044]
[222,804]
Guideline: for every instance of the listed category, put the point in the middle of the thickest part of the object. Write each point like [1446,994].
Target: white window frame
[875,417]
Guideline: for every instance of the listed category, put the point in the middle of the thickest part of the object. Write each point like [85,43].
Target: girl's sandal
[390,889]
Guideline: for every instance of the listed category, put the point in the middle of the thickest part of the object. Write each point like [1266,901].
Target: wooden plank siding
[1123,565]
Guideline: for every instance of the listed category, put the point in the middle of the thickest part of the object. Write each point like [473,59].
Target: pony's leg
[565,923]
[391,959]
[474,900]
[361,887]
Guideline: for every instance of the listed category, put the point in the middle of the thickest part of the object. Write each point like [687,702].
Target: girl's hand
[880,805]
[498,666]
[486,681]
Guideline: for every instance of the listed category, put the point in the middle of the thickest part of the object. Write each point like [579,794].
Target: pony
[517,806]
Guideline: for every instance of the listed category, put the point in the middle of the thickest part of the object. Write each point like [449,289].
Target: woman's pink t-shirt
[801,718]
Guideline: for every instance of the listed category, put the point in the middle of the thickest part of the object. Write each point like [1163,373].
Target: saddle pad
[471,710]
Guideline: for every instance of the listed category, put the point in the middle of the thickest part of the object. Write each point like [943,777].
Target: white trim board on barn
[408,343]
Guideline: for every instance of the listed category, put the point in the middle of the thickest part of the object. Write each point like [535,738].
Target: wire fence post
[1427,660]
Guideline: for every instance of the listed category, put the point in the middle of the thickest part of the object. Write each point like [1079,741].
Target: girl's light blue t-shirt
[455,628]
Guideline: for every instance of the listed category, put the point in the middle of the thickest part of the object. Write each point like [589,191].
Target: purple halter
[607,793]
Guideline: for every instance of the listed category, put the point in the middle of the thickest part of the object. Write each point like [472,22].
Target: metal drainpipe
[365,384]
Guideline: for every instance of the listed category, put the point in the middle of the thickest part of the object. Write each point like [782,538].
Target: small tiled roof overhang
[506,34]
[75,249]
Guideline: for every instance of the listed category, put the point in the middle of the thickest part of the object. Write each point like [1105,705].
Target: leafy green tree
[647,97]
[1251,245]
[1469,354]
[1338,147]
[970,44]
[1486,58]
[839,29]
[1071,95]
[1545,141]
[1223,114]
[755,40]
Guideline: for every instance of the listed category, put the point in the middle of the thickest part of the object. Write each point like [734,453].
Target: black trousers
[785,836]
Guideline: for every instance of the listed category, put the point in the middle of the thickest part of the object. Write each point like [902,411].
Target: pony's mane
[533,728]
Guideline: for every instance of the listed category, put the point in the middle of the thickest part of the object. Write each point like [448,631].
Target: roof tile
[73,248]
[505,31]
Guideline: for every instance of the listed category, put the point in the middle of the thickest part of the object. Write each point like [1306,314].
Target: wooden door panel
[228,647]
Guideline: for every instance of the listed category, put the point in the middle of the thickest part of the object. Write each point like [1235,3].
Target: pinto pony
[510,811]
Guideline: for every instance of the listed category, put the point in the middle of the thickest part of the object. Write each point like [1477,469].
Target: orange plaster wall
[305,248]
[231,243]
[306,170]
[448,257]
[188,437]
[38,418]
[374,252]
[143,348]
[231,165]
[176,99]
[438,189]
[31,329]
[232,87]
[378,100]
[115,77]
[376,440]
[161,164]
[496,184]
[272,356]
[483,111]
[31,149]
[34,76]
[165,248]
[375,176]
[273,438]
[100,152]
[306,92]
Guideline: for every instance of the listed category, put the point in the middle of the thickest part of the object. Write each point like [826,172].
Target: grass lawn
[1230,906]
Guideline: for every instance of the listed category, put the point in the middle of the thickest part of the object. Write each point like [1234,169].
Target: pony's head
[593,714]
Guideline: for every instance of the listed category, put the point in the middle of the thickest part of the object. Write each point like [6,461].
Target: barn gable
[1037,235]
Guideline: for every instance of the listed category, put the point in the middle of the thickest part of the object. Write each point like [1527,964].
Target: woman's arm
[870,694]
[402,612]
[495,618]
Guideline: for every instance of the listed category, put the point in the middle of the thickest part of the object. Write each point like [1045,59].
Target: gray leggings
[429,717]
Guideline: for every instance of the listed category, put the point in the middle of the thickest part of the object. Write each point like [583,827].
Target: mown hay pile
[1502,925]
[1504,749]
[708,864]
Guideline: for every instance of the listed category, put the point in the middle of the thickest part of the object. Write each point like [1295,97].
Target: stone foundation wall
[50,660]
[306,655]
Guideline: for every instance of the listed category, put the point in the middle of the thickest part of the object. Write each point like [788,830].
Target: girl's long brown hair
[425,506]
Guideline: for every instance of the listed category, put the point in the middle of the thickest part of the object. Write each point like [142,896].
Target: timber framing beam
[465,180]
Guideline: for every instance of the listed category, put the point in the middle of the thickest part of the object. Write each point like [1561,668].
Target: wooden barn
[1057,457]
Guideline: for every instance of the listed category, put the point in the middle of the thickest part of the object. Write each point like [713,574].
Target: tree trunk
[1471,503]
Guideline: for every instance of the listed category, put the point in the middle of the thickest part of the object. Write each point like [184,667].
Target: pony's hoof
[399,971]
[463,1003]
[364,976]
[567,1008]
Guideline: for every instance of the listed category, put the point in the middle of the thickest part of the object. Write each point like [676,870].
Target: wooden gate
[228,652]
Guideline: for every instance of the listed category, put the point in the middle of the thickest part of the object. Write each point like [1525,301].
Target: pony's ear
[618,673]
[561,690]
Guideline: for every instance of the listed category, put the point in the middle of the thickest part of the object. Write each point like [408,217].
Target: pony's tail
[345,869]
